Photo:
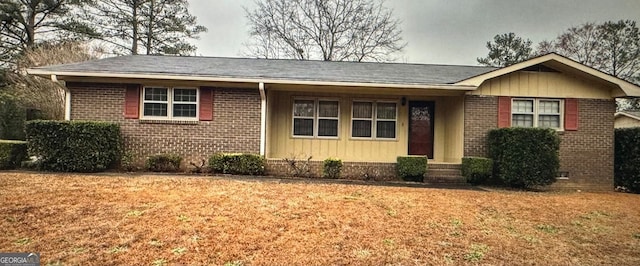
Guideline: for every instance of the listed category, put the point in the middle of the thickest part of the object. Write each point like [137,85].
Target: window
[545,113]
[170,103]
[370,119]
[315,118]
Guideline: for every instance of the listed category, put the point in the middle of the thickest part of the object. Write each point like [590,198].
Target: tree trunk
[134,24]
[150,26]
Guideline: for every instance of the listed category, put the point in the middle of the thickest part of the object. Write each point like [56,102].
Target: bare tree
[43,94]
[611,47]
[330,30]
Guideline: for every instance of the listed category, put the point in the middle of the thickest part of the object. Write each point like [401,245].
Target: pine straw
[155,220]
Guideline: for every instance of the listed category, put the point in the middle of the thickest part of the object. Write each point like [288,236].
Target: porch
[373,125]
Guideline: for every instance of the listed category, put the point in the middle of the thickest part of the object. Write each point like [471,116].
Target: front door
[421,128]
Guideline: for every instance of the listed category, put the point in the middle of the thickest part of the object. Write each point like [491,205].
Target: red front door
[421,128]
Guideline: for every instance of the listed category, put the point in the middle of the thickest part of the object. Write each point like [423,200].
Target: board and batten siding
[543,85]
[448,130]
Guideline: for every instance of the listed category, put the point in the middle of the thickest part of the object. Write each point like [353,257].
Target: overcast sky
[437,31]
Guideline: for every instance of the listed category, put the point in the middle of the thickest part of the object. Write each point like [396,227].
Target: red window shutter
[571,114]
[504,111]
[206,104]
[132,101]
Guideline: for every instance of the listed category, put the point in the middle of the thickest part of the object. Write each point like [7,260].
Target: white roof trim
[62,74]
[628,88]
[618,114]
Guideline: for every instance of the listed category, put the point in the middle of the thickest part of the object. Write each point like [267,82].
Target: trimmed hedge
[477,170]
[627,159]
[331,168]
[12,153]
[237,164]
[164,163]
[12,118]
[74,146]
[412,168]
[525,157]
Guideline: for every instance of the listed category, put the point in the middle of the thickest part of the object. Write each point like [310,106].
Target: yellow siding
[448,139]
[543,84]
[625,122]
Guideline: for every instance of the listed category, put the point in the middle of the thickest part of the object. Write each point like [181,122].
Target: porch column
[263,118]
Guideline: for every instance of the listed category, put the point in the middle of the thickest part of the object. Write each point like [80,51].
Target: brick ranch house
[367,114]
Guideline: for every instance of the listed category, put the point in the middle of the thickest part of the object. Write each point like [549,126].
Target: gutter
[67,99]
[460,87]
[263,119]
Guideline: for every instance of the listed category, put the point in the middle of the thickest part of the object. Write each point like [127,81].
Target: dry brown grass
[156,220]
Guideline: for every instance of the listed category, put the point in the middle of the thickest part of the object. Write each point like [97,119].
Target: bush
[331,168]
[12,153]
[525,157]
[627,159]
[74,146]
[477,170]
[12,117]
[412,168]
[237,164]
[164,163]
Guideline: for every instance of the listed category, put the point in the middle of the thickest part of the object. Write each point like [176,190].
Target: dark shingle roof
[219,67]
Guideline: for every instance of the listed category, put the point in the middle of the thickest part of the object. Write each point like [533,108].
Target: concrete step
[444,173]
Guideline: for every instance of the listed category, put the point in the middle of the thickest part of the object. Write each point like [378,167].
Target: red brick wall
[235,126]
[586,154]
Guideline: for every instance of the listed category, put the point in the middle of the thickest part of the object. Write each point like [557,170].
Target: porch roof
[268,71]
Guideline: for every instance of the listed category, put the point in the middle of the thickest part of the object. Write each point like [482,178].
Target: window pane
[184,110]
[549,107]
[386,129]
[522,106]
[328,109]
[551,121]
[155,94]
[328,127]
[522,121]
[386,110]
[155,109]
[302,127]
[361,129]
[362,110]
[303,108]
[184,95]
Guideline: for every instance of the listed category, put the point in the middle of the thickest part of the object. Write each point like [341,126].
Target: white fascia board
[62,74]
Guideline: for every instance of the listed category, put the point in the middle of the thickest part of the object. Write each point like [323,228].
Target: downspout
[67,99]
[263,119]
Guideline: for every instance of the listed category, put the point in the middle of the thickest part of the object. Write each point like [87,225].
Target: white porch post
[263,119]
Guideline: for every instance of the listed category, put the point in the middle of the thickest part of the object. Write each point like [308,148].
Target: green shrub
[332,168]
[12,153]
[12,118]
[525,157]
[74,146]
[237,164]
[164,163]
[477,170]
[412,168]
[627,159]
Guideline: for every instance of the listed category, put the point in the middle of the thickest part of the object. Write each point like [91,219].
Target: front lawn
[158,220]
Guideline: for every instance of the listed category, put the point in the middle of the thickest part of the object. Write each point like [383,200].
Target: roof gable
[558,62]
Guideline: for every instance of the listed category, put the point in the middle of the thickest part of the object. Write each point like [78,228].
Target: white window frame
[170,102]
[316,117]
[536,111]
[374,119]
